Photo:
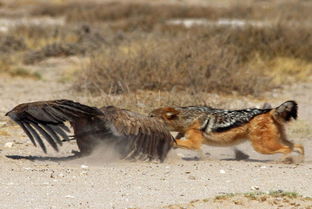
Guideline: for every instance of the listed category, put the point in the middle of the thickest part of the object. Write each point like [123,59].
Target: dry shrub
[23,38]
[40,42]
[9,66]
[82,41]
[212,59]
[91,11]
[36,36]
[131,16]
[123,16]
[269,42]
[52,50]
[283,70]
[149,54]
[184,64]
[9,44]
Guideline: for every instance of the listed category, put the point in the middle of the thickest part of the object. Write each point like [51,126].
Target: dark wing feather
[58,130]
[146,137]
[36,136]
[26,130]
[45,135]
[134,135]
[46,119]
[53,134]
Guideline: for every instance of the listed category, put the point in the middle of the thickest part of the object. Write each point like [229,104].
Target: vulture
[133,135]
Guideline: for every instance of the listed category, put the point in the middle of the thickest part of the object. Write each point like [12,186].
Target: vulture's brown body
[132,135]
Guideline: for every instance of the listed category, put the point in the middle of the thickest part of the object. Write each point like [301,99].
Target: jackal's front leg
[194,139]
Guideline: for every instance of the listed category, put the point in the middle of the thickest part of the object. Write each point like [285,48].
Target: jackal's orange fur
[264,128]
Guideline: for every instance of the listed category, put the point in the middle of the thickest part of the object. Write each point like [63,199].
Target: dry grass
[133,48]
[245,61]
[131,16]
[172,65]
[284,70]
[9,65]
[32,44]
[36,37]
[273,199]
[9,44]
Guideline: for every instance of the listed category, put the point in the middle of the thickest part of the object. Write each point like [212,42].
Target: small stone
[255,188]
[27,169]
[70,196]
[84,166]
[8,144]
[263,167]
[222,171]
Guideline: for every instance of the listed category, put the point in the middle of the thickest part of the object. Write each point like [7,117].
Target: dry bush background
[181,64]
[223,60]
[132,47]
[146,15]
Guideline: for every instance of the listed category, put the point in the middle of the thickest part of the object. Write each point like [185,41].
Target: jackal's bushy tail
[286,111]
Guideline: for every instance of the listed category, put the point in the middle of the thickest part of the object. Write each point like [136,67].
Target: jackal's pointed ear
[170,113]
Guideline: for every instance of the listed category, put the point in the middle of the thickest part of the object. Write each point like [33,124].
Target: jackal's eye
[171,115]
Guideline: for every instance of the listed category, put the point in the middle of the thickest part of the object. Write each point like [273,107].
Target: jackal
[264,128]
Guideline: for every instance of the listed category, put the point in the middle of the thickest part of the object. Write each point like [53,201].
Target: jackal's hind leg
[299,148]
[295,147]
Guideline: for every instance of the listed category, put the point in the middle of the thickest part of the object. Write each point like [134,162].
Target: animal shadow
[42,158]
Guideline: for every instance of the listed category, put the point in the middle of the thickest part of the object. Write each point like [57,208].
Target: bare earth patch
[56,180]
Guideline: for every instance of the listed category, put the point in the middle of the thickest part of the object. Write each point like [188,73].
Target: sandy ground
[31,179]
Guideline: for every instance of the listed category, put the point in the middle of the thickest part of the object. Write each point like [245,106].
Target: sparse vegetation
[259,195]
[132,47]
[132,16]
[269,199]
[224,196]
[22,72]
[218,60]
[183,64]
[284,194]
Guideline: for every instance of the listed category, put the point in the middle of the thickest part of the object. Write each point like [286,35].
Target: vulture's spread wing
[46,119]
[146,137]
[133,135]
